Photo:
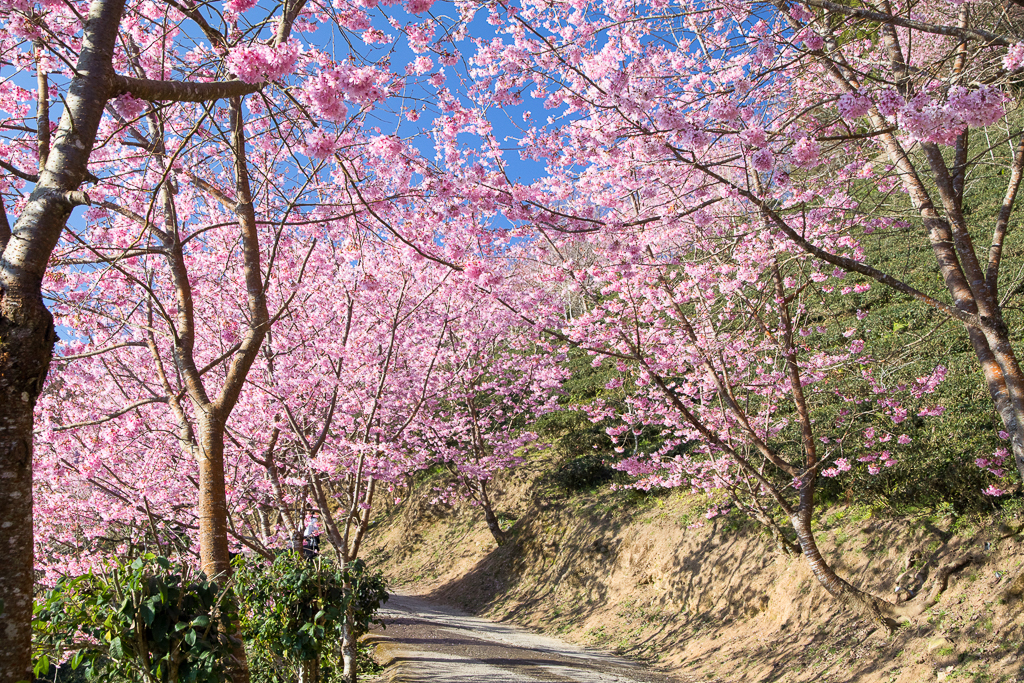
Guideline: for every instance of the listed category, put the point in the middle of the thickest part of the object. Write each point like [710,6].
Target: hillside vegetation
[689,583]
[650,577]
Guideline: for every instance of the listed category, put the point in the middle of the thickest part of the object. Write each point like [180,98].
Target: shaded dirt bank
[712,599]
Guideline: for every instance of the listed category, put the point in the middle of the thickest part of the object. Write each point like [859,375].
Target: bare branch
[111,416]
[97,352]
[180,91]
[939,29]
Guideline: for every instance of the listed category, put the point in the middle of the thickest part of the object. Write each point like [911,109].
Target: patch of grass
[1013,508]
[834,517]
[859,514]
[937,616]
[366,665]
[506,520]
[737,521]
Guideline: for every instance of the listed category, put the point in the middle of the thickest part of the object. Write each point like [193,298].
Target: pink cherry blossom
[239,6]
[852,106]
[129,107]
[806,153]
[763,160]
[261,63]
[1014,58]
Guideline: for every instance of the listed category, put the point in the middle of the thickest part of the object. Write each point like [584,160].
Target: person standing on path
[312,537]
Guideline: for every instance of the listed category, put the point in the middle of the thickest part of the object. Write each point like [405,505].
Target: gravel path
[426,642]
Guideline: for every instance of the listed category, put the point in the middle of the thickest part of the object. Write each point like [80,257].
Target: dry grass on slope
[712,600]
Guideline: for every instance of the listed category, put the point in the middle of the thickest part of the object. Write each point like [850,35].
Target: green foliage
[938,467]
[293,611]
[589,452]
[584,473]
[573,434]
[569,429]
[909,339]
[147,620]
[937,471]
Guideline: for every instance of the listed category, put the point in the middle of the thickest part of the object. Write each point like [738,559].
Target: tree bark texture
[866,605]
[492,523]
[26,328]
[309,671]
[500,537]
[350,671]
[26,344]
[213,505]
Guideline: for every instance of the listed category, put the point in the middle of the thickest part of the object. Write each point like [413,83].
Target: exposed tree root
[909,583]
[1015,589]
[941,582]
[878,611]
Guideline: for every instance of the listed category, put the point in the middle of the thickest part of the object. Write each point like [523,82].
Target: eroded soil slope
[713,599]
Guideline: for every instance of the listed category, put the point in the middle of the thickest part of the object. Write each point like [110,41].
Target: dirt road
[426,642]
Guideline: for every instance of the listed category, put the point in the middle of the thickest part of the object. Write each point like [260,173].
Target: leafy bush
[293,613]
[584,473]
[147,620]
[569,428]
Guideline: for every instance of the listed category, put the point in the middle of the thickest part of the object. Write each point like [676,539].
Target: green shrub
[147,620]
[293,612]
[584,473]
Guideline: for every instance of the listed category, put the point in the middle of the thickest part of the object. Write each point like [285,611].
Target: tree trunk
[1005,383]
[265,531]
[26,327]
[309,671]
[213,524]
[492,523]
[500,537]
[213,504]
[348,646]
[864,604]
[991,342]
[968,286]
[26,346]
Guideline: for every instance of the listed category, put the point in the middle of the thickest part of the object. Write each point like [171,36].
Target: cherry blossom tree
[495,379]
[791,110]
[349,366]
[343,431]
[180,301]
[712,174]
[87,55]
[122,73]
[726,354]
[721,163]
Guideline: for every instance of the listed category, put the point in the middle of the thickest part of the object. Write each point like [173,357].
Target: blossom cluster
[263,63]
[929,118]
[327,91]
